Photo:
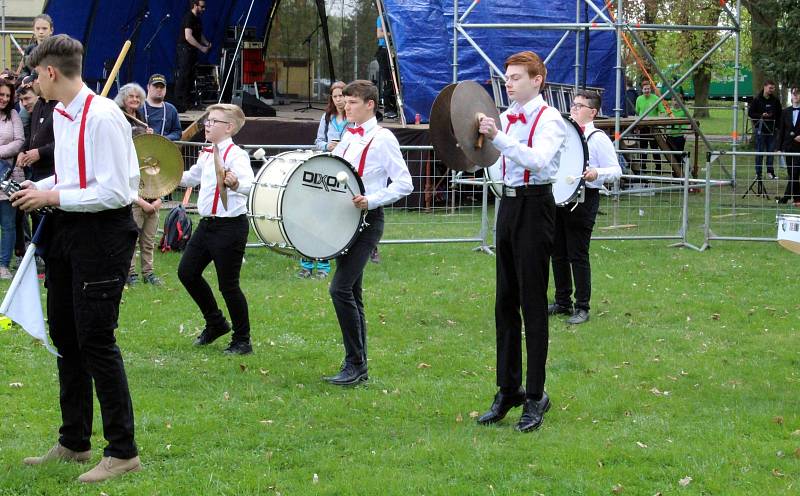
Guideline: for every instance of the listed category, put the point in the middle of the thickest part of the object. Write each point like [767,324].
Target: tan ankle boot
[110,467]
[59,453]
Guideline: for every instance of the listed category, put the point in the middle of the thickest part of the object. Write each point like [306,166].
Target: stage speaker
[252,106]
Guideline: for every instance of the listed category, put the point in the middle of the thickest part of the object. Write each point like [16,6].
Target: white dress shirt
[112,168]
[602,157]
[384,161]
[542,158]
[204,173]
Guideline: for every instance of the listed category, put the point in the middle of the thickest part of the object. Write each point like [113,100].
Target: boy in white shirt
[375,154]
[221,234]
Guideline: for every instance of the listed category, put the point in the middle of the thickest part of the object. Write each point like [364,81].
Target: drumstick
[341,177]
[113,75]
[135,120]
[479,143]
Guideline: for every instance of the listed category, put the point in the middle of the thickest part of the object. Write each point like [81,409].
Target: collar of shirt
[223,145]
[588,128]
[76,105]
[529,108]
[369,125]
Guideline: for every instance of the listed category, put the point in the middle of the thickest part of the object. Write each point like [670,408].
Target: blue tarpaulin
[423,35]
[422,32]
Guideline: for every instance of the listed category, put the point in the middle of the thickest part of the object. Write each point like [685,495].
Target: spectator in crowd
[676,133]
[42,29]
[27,100]
[646,140]
[130,99]
[160,115]
[331,127]
[12,138]
[764,112]
[385,84]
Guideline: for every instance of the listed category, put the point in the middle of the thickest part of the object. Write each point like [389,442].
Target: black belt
[528,190]
[102,214]
[216,219]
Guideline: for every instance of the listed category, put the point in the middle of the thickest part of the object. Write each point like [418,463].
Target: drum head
[789,232]
[573,161]
[317,212]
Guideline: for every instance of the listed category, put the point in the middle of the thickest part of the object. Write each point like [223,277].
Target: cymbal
[160,165]
[470,99]
[441,134]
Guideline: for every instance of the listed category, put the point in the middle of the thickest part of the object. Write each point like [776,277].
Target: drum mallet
[341,178]
[259,154]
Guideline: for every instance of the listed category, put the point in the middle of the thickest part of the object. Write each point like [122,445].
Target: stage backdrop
[422,32]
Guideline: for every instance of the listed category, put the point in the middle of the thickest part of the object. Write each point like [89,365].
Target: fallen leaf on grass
[797,453]
[459,418]
[263,371]
[474,414]
[714,316]
[641,445]
[423,365]
[226,396]
[315,479]
[617,489]
[778,419]
[685,481]
[243,367]
[777,473]
[16,385]
[265,422]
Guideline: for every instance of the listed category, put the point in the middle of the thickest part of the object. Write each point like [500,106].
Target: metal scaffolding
[606,20]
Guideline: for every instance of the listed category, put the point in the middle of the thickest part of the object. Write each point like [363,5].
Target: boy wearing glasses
[221,234]
[574,225]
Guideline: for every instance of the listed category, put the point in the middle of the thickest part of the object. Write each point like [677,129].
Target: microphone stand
[152,38]
[307,41]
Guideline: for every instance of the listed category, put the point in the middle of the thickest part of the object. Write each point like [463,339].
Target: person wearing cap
[161,115]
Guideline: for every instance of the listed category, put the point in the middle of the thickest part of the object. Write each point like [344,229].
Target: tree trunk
[702,81]
[761,22]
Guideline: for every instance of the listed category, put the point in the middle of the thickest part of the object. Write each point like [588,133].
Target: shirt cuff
[69,199]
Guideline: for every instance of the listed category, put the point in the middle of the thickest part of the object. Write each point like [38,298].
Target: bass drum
[789,232]
[573,161]
[298,207]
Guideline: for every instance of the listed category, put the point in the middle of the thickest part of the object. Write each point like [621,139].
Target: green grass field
[685,381]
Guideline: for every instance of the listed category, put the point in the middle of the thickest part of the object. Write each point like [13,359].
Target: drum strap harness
[81,140]
[363,159]
[527,176]
[216,191]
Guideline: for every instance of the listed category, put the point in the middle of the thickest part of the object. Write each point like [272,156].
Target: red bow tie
[356,130]
[208,149]
[583,129]
[512,118]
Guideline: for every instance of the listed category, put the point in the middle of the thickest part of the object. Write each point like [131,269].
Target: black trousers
[385,85]
[220,240]
[525,228]
[87,257]
[185,75]
[792,191]
[346,290]
[571,251]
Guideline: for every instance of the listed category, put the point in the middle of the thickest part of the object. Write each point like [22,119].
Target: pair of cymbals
[454,127]
[160,165]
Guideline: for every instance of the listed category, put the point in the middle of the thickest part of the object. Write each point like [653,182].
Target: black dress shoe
[579,317]
[239,348]
[501,405]
[349,375]
[556,309]
[533,414]
[209,335]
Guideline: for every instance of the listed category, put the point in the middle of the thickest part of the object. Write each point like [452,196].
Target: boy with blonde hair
[221,234]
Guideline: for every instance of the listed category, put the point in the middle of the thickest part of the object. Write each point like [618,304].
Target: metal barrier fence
[439,210]
[741,205]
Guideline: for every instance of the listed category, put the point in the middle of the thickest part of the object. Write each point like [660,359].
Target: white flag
[23,303]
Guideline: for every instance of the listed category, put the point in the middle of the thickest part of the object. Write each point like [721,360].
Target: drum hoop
[585,147]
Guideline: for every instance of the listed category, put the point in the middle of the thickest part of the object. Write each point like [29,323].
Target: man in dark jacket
[37,154]
[764,112]
[789,141]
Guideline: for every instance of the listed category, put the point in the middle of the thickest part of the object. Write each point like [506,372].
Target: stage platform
[295,126]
